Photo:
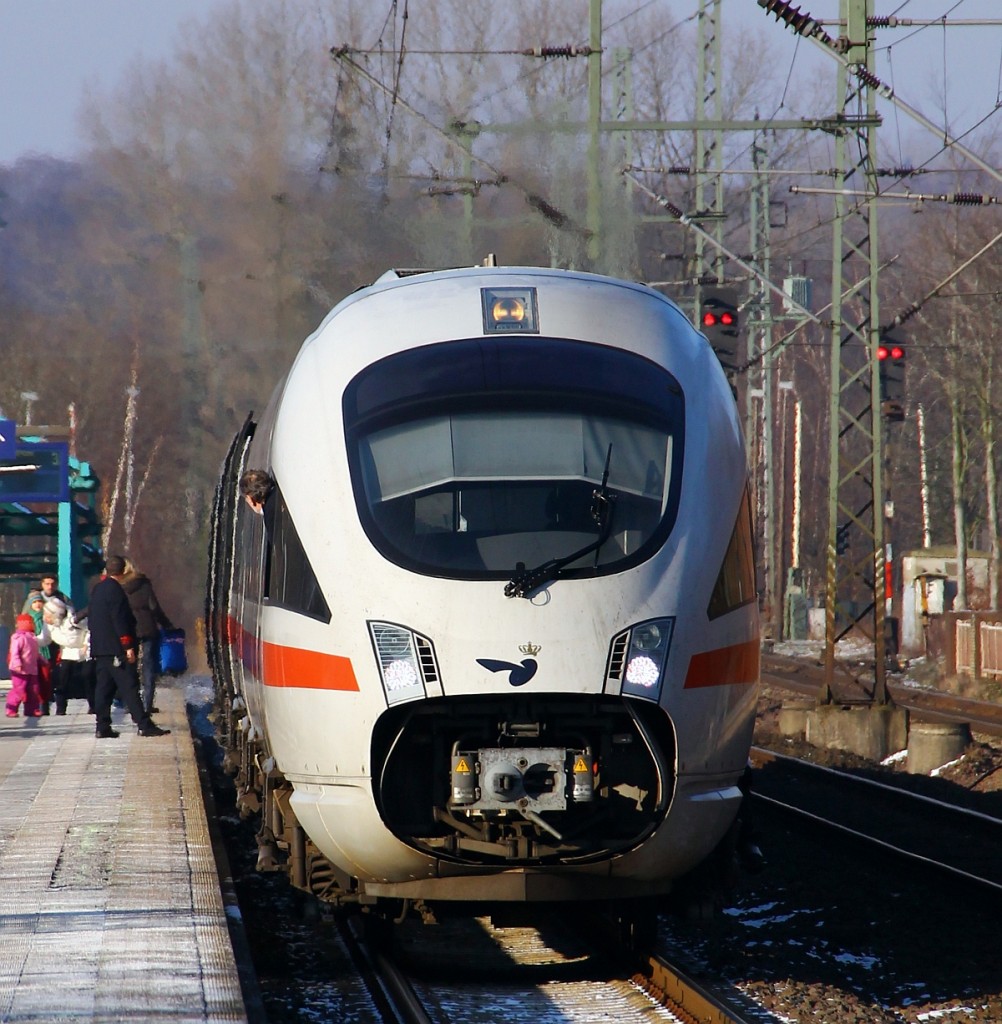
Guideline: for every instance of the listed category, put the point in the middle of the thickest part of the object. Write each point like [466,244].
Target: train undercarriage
[484,783]
[511,782]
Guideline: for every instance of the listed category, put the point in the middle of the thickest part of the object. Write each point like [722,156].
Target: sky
[50,49]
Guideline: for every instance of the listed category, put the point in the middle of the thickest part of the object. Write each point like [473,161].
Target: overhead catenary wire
[540,203]
[399,69]
[956,198]
[780,172]
[807,27]
[911,310]
[565,50]
[806,314]
[561,219]
[690,223]
[804,25]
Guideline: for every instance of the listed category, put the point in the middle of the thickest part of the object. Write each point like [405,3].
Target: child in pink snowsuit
[23,664]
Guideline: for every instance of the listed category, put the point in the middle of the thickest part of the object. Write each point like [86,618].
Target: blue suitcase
[173,660]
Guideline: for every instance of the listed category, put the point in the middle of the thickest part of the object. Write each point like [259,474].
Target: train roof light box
[509,310]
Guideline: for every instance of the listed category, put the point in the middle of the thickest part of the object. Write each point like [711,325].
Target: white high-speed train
[496,637]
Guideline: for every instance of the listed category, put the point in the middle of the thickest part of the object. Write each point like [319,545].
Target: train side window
[735,586]
[248,557]
[291,582]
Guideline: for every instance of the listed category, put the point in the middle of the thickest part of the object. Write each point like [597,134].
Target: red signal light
[891,368]
[724,319]
[890,352]
[719,320]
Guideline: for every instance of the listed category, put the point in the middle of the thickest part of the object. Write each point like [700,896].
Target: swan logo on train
[461,460]
[519,675]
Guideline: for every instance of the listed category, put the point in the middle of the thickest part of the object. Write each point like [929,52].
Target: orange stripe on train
[309,670]
[724,666]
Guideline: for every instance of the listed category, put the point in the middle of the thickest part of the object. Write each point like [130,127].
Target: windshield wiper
[525,581]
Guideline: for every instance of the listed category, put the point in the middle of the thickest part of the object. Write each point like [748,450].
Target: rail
[805,678]
[936,834]
[690,1001]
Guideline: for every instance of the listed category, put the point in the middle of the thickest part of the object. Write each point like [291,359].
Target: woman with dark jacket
[149,618]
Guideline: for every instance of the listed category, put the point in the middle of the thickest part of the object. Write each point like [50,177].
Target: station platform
[111,907]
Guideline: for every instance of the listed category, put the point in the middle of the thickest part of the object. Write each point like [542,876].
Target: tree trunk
[991,494]
[959,515]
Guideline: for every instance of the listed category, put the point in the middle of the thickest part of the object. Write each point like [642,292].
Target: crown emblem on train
[530,648]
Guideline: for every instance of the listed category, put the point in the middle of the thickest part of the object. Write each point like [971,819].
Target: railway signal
[719,321]
[891,357]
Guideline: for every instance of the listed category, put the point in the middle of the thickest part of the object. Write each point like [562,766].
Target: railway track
[310,969]
[693,1001]
[569,972]
[314,964]
[929,822]
[929,843]
[805,678]
[935,834]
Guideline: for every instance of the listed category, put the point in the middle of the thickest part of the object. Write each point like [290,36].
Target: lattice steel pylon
[854,597]
[759,418]
[709,142]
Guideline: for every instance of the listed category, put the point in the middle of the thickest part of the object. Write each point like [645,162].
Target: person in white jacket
[73,677]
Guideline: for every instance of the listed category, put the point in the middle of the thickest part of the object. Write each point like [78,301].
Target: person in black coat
[150,617]
[113,648]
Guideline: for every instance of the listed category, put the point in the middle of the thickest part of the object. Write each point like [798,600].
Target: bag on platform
[173,660]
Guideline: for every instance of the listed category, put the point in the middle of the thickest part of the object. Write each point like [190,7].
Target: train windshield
[467,476]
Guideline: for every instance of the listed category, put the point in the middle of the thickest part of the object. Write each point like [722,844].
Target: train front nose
[572,778]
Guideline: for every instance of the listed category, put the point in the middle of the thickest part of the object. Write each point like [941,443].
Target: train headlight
[646,655]
[642,672]
[647,637]
[509,310]
[399,675]
[399,668]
